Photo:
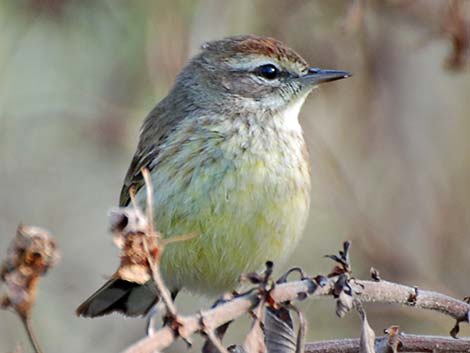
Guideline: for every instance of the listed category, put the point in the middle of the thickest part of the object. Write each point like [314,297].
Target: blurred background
[390,147]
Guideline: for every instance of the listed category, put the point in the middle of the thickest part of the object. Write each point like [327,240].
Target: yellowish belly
[242,215]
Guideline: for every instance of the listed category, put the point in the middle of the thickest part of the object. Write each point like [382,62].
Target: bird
[229,163]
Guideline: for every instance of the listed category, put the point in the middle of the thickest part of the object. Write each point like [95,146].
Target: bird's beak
[316,76]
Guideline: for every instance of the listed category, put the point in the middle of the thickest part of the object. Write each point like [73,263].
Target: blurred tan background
[390,147]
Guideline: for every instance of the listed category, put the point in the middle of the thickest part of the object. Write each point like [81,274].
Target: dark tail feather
[117,295]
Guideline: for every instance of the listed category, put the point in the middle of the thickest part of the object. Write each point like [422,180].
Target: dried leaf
[455,330]
[367,340]
[375,274]
[279,331]
[393,341]
[254,341]
[343,260]
[344,304]
[345,253]
[342,291]
[342,285]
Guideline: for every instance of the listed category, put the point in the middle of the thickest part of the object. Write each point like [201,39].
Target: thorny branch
[367,292]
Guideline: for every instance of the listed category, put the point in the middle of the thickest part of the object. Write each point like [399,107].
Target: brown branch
[407,343]
[387,293]
[365,291]
[393,293]
[190,324]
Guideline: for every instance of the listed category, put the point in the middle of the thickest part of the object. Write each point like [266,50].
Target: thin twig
[32,337]
[133,198]
[302,329]
[216,342]
[163,289]
[148,186]
[153,262]
[255,339]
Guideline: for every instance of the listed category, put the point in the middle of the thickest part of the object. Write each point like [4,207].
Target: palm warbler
[228,162]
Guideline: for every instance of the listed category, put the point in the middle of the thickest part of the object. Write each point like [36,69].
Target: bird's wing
[156,128]
[117,295]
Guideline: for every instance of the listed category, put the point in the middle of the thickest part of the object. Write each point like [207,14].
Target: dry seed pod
[32,252]
[130,227]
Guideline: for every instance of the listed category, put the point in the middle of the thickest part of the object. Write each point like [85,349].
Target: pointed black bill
[316,76]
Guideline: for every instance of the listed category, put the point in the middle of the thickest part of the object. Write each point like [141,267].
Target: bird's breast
[244,193]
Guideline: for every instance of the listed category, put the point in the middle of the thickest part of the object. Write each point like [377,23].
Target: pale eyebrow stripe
[250,63]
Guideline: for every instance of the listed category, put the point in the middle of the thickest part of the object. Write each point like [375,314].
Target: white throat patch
[290,116]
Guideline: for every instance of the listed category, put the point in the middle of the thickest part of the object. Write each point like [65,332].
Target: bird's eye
[268,71]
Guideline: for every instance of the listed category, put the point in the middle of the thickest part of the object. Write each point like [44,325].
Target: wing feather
[156,128]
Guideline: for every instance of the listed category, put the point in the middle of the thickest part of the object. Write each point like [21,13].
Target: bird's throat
[289,117]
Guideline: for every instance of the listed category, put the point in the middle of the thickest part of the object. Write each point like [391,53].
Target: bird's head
[253,72]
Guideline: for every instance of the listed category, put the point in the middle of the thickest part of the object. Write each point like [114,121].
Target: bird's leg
[152,315]
[151,318]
